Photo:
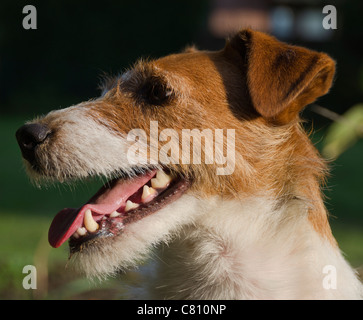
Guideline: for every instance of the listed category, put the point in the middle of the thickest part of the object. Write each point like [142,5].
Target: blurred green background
[60,64]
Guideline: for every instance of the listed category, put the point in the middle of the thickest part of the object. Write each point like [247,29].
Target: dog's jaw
[137,241]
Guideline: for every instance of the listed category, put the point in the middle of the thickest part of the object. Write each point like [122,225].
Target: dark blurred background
[61,62]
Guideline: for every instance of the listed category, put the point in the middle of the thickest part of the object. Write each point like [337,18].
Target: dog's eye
[155,93]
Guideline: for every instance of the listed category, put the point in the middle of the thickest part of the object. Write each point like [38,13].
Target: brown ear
[281,78]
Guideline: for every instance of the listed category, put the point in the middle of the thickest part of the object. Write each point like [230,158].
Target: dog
[259,231]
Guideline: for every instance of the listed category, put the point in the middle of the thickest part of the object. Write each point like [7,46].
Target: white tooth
[147,192]
[75,235]
[161,180]
[90,224]
[130,205]
[81,231]
[114,214]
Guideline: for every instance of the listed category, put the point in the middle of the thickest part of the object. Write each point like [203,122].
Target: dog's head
[171,132]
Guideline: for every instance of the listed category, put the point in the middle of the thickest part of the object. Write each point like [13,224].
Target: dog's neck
[252,250]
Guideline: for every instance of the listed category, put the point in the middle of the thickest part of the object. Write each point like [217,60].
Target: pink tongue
[105,201]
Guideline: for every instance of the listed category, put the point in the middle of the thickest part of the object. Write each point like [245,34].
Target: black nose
[29,136]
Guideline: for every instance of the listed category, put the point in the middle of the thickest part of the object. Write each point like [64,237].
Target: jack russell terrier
[228,186]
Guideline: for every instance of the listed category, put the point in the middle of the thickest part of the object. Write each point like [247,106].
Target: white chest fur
[251,251]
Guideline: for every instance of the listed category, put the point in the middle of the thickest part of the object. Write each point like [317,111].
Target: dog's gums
[115,205]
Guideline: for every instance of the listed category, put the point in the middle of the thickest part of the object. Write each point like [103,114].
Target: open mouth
[118,203]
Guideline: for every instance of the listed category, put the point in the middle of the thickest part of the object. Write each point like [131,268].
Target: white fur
[248,250]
